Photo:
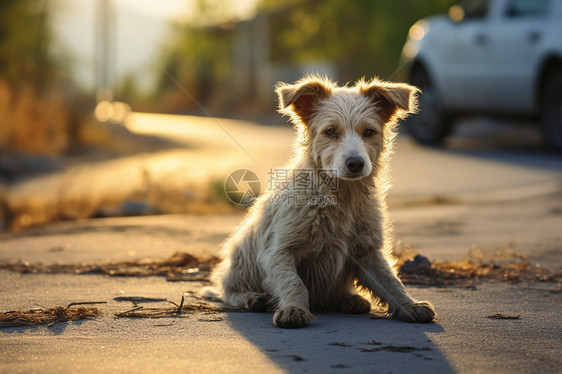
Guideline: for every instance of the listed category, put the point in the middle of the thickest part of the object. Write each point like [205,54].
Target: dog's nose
[355,164]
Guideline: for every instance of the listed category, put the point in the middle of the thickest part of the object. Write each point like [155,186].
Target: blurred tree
[198,58]
[362,37]
[41,110]
[197,55]
[25,43]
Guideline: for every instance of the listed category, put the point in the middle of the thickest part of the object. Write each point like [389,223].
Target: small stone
[418,263]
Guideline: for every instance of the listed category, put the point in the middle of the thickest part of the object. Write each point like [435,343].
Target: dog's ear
[302,98]
[394,100]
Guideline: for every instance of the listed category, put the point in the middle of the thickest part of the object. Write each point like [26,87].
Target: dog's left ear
[301,99]
[394,100]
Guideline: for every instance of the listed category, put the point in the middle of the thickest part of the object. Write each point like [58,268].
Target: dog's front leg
[289,292]
[375,274]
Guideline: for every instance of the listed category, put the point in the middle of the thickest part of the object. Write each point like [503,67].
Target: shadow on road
[517,143]
[336,341]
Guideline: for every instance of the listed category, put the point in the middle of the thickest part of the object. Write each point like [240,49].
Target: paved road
[444,202]
[417,171]
[210,149]
[462,340]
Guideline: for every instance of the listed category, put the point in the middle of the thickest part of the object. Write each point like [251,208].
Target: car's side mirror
[457,13]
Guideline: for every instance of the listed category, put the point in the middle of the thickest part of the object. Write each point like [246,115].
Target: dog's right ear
[301,99]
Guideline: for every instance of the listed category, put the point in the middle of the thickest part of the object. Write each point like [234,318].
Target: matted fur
[293,258]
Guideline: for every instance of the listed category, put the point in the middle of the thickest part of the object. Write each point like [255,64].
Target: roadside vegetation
[47,126]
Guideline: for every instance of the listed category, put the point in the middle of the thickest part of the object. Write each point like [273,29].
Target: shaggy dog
[318,247]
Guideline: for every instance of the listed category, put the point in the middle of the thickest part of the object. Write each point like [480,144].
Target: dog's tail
[215,291]
[211,293]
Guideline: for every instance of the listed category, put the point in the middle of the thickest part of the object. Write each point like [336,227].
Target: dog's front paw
[291,317]
[355,304]
[418,311]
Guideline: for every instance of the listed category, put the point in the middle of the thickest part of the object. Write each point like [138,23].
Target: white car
[497,57]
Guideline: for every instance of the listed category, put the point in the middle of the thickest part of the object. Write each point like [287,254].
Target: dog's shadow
[358,343]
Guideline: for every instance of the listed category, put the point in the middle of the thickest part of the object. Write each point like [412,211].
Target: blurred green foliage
[359,37]
[41,110]
[199,58]
[362,37]
[26,56]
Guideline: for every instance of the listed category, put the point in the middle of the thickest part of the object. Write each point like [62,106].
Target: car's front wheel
[430,125]
[552,111]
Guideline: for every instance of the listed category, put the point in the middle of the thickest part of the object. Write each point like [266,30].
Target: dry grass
[141,312]
[502,265]
[38,124]
[194,304]
[178,267]
[52,122]
[76,198]
[46,316]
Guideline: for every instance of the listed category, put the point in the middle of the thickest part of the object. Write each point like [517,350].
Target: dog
[325,248]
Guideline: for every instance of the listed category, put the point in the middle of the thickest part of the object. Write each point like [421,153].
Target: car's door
[465,69]
[514,42]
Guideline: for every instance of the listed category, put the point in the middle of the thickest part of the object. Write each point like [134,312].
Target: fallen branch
[122,314]
[503,316]
[86,303]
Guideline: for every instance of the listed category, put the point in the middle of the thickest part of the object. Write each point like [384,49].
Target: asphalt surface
[462,339]
[444,203]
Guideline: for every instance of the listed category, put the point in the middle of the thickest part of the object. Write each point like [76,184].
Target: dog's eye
[331,132]
[368,133]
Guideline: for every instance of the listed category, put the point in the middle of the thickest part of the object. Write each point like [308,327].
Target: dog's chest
[334,227]
[338,237]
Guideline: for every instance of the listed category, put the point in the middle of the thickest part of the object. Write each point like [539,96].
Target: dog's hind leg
[355,304]
[240,283]
[253,301]
[348,300]
[377,276]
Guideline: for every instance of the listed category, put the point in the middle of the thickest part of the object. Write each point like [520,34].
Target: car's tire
[552,111]
[430,125]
